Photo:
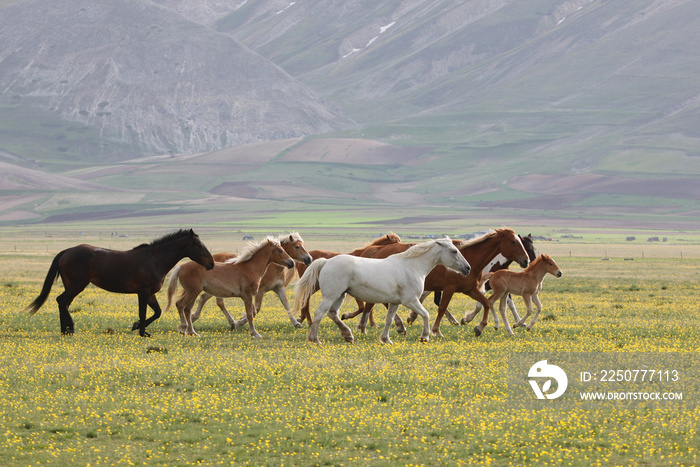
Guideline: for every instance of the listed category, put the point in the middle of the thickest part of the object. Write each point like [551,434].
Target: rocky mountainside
[142,73]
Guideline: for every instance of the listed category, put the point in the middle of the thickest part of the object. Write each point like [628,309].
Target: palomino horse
[387,239]
[498,263]
[527,283]
[395,280]
[140,271]
[276,278]
[478,252]
[239,277]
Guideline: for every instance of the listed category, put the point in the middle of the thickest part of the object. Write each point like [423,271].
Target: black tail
[51,277]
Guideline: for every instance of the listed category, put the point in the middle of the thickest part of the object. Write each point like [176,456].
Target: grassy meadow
[105,396]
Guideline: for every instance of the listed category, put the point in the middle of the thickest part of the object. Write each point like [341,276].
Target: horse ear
[529,236]
[191,232]
[291,238]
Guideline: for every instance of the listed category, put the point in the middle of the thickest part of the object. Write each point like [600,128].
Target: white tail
[307,285]
[172,286]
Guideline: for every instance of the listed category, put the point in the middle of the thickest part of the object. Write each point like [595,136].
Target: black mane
[166,238]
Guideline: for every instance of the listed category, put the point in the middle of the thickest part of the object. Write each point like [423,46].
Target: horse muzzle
[209,266]
[465,270]
[289,263]
[307,260]
[524,263]
[559,273]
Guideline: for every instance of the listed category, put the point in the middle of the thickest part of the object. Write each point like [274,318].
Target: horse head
[278,255]
[512,248]
[552,267]
[294,246]
[197,252]
[452,258]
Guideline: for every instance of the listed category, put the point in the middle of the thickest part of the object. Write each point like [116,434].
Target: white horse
[398,279]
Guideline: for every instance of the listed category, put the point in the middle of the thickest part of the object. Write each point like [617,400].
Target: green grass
[105,396]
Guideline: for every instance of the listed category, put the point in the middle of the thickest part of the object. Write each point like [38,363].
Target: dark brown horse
[384,240]
[478,252]
[140,271]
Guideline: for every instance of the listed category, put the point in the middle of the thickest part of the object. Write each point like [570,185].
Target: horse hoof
[401,331]
[477,331]
[386,341]
[423,339]
[350,339]
[343,317]
[135,326]
[463,321]
[298,325]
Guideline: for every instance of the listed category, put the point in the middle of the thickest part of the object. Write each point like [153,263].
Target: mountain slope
[144,74]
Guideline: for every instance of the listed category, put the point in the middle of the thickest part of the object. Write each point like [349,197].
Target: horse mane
[377,240]
[166,238]
[289,238]
[251,249]
[536,261]
[418,249]
[487,236]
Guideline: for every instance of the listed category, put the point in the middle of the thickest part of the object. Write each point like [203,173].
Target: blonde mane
[289,238]
[253,248]
[419,249]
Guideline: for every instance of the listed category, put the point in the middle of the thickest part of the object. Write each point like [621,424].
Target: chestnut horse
[478,252]
[238,277]
[140,271]
[384,240]
[276,278]
[496,265]
[527,283]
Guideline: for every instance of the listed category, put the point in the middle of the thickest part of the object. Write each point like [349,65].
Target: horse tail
[484,279]
[172,286]
[307,284]
[51,277]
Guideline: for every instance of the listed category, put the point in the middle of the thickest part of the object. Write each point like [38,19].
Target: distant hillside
[145,75]
[584,110]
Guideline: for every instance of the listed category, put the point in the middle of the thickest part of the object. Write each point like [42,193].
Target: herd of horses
[386,271]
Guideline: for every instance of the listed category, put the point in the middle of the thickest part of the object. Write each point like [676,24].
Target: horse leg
[398,322]
[502,311]
[344,329]
[412,314]
[204,298]
[528,305]
[322,309]
[444,301]
[282,295]
[487,305]
[64,300]
[496,323]
[305,315]
[437,299]
[362,324]
[418,307]
[360,309]
[153,303]
[250,314]
[468,317]
[184,307]
[513,310]
[536,299]
[391,311]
